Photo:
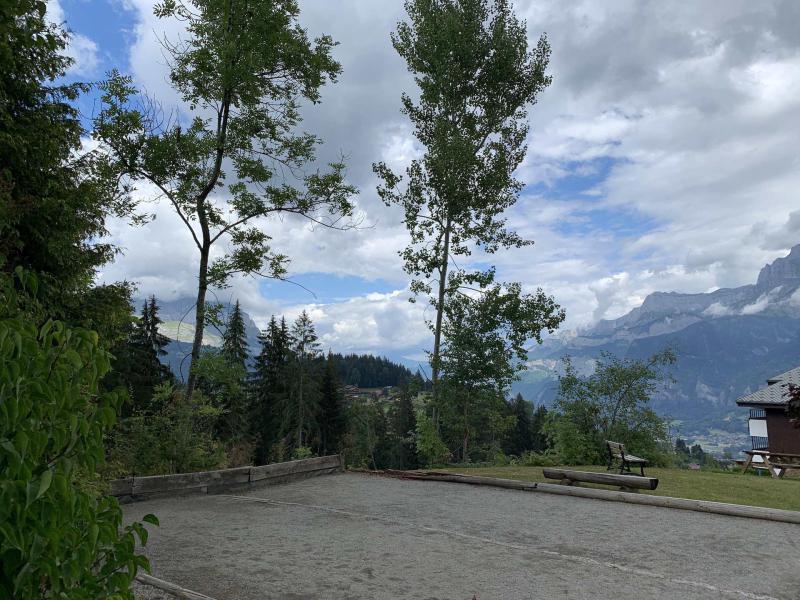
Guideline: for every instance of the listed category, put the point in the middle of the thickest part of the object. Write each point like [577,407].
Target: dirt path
[360,536]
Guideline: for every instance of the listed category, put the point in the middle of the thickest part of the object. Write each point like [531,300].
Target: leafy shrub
[302,452]
[59,537]
[500,459]
[176,437]
[240,454]
[430,446]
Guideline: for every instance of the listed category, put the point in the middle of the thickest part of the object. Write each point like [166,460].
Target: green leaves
[59,537]
[612,403]
[476,77]
[233,153]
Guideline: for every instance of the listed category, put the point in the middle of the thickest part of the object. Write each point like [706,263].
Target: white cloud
[692,106]
[757,306]
[81,49]
[717,309]
[373,323]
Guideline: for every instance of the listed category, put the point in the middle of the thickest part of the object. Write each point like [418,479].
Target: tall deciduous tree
[232,155]
[476,76]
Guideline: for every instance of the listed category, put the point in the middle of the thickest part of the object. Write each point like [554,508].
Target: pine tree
[157,340]
[521,437]
[404,425]
[137,366]
[332,423]
[234,340]
[269,390]
[538,422]
[306,348]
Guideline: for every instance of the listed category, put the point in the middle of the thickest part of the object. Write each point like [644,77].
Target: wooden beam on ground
[173,589]
[720,508]
[624,481]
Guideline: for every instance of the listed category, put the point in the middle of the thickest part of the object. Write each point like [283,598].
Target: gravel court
[362,536]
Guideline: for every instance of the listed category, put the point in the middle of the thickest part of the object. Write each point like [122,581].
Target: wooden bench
[617,452]
[626,482]
[777,463]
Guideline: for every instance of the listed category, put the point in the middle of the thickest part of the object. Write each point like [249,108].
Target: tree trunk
[199,319]
[437,332]
[466,432]
[300,409]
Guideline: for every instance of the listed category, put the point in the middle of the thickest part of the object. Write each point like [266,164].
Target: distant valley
[728,343]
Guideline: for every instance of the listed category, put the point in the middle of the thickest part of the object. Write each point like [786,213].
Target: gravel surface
[362,536]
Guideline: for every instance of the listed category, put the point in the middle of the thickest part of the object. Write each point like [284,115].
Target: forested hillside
[366,370]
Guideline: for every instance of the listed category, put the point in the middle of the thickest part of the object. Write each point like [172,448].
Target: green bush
[430,446]
[59,537]
[302,452]
[175,437]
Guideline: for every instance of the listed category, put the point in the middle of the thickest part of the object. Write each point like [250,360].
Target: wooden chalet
[770,428]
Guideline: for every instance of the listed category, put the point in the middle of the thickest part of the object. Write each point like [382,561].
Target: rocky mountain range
[728,343]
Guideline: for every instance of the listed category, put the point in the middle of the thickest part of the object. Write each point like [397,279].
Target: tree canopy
[232,153]
[476,78]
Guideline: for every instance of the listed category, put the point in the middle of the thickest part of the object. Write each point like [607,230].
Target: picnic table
[776,463]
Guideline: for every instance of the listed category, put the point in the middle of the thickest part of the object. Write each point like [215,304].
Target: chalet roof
[775,392]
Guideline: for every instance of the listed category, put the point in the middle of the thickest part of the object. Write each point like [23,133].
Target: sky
[663,157]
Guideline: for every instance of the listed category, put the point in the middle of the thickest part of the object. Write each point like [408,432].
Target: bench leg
[770,470]
[747,463]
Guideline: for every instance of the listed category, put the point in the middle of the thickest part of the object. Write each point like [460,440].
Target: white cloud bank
[694,107]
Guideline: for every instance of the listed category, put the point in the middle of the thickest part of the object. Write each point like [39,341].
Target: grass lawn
[732,487]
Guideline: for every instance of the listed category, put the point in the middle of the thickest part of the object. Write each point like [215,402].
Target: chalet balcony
[759,442]
[758,413]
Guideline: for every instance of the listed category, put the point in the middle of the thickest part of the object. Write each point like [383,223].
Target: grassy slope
[730,487]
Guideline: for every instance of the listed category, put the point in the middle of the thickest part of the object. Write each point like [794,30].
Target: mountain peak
[781,271]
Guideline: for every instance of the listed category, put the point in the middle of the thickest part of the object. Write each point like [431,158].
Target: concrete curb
[706,506]
[173,589]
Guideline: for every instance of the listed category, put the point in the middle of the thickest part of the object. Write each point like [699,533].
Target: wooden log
[707,506]
[122,487]
[625,481]
[175,590]
[187,482]
[322,463]
[511,484]
[222,480]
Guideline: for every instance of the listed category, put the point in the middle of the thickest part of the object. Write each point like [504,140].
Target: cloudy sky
[664,157]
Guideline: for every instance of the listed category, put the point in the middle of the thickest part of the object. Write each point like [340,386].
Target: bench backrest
[616,449]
